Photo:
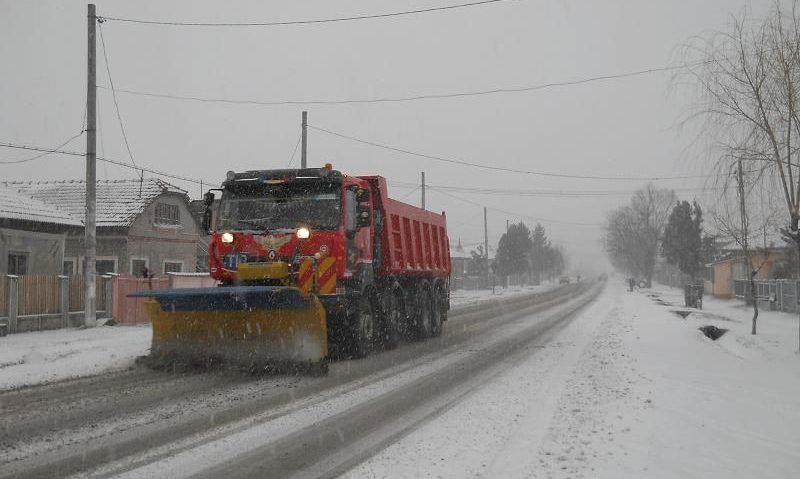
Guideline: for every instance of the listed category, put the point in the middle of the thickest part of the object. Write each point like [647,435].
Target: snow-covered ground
[41,357]
[628,389]
[463,297]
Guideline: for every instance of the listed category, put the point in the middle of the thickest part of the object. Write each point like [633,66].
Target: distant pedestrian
[631,284]
[146,274]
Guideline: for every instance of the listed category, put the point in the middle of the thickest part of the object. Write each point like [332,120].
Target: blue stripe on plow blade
[227,298]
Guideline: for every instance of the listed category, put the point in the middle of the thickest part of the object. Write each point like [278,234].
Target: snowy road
[628,389]
[564,384]
[144,424]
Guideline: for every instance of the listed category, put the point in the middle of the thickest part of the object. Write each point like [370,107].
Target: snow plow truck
[308,261]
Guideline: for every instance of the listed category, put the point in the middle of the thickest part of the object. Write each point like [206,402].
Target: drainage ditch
[713,332]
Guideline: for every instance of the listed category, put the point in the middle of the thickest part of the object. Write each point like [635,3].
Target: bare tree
[633,232]
[749,79]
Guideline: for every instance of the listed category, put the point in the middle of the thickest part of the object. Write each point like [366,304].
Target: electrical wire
[107,160]
[45,152]
[541,193]
[507,170]
[409,193]
[291,160]
[114,95]
[299,22]
[493,91]
[511,213]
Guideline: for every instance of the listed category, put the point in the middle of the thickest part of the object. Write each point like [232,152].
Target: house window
[69,267]
[105,266]
[138,266]
[17,263]
[173,266]
[167,214]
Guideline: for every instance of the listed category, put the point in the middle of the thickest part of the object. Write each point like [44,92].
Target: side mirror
[363,217]
[205,224]
[362,195]
[208,201]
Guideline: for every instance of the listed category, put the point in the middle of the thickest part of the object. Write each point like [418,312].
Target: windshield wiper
[254,222]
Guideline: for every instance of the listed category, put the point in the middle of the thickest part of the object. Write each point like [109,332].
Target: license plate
[230,261]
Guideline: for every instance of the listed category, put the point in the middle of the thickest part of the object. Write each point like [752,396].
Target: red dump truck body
[415,242]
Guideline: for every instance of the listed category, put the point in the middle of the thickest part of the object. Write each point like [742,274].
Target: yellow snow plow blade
[262,327]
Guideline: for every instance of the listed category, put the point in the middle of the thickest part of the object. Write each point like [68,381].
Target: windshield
[284,206]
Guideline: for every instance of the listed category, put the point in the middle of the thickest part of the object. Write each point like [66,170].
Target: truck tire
[390,330]
[436,315]
[443,303]
[361,328]
[423,327]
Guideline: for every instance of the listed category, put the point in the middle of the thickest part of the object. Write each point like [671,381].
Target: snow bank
[41,357]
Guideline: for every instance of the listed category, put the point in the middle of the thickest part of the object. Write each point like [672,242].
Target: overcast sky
[621,127]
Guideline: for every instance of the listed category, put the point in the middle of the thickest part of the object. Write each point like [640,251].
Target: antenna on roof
[141,181]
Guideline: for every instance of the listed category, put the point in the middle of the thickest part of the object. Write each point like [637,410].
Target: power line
[291,160]
[493,91]
[541,193]
[507,170]
[409,193]
[45,152]
[107,160]
[300,22]
[511,213]
[113,93]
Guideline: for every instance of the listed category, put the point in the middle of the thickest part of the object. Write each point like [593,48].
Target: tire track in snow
[115,429]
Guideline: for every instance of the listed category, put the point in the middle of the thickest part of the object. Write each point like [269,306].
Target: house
[769,262]
[140,224]
[33,234]
[466,272]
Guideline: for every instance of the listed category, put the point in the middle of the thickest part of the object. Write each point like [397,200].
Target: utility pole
[486,244]
[746,247]
[90,240]
[303,150]
[423,190]
[506,226]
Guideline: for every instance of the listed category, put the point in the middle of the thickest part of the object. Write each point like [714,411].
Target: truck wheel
[362,328]
[436,315]
[423,321]
[390,331]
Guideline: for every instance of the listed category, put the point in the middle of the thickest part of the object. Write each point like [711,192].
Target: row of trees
[748,84]
[653,223]
[525,252]
[635,233]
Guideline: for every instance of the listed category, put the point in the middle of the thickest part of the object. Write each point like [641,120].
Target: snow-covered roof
[119,202]
[17,206]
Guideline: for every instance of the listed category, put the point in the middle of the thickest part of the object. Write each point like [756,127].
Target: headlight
[303,233]
[227,238]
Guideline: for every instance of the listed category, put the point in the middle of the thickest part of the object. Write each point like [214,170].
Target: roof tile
[119,202]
